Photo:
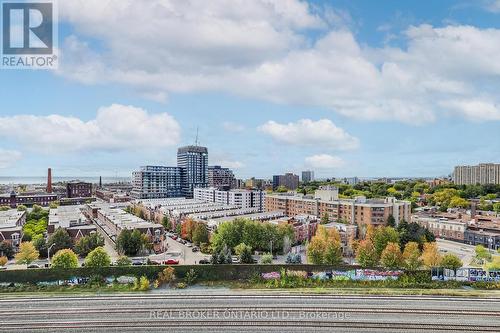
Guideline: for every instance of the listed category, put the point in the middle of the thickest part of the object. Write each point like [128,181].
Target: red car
[171,262]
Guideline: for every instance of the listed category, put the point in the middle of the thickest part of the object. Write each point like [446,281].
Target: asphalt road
[208,310]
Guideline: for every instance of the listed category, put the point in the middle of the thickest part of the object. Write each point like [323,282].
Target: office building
[221,178]
[484,173]
[307,176]
[152,182]
[288,180]
[193,160]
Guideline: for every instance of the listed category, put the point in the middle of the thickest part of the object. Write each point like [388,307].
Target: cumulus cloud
[260,49]
[307,132]
[116,127]
[324,161]
[9,157]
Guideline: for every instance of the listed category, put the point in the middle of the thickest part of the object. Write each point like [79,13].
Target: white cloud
[324,161]
[116,127]
[492,6]
[9,158]
[231,164]
[475,109]
[306,132]
[233,127]
[258,49]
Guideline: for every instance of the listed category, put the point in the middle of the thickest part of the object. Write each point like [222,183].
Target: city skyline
[344,89]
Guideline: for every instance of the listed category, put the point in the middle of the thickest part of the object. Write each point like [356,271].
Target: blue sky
[345,88]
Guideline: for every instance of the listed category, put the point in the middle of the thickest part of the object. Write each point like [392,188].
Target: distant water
[43,180]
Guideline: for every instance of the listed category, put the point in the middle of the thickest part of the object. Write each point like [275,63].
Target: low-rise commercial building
[441,227]
[27,199]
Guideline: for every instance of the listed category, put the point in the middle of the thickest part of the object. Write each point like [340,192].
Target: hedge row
[204,272]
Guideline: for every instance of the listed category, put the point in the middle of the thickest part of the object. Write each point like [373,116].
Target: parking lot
[181,252]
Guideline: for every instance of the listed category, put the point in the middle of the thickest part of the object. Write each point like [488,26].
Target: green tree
[65,258]
[281,189]
[482,254]
[383,236]
[166,223]
[98,258]
[451,261]
[60,239]
[391,257]
[325,218]
[496,207]
[27,253]
[244,252]
[411,256]
[129,242]
[200,234]
[391,221]
[22,208]
[457,202]
[86,244]
[366,255]
[6,249]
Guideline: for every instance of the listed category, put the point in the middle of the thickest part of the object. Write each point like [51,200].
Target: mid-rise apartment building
[353,211]
[288,180]
[484,173]
[152,182]
[77,189]
[221,178]
[239,198]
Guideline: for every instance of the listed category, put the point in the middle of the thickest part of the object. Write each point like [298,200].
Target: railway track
[141,324]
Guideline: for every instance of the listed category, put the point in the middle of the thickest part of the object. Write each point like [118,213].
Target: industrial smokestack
[49,181]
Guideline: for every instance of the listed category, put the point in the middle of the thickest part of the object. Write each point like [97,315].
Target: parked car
[137,262]
[204,261]
[195,249]
[171,262]
[33,266]
[188,244]
[235,259]
[174,237]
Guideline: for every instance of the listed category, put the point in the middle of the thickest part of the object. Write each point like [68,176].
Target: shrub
[142,284]
[65,258]
[266,259]
[181,285]
[451,261]
[293,258]
[3,261]
[98,258]
[167,276]
[190,277]
[88,243]
[123,261]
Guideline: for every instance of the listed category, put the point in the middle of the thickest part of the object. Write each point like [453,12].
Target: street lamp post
[48,253]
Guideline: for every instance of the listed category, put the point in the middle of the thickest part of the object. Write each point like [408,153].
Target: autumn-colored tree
[3,261]
[27,253]
[325,247]
[430,255]
[411,256]
[391,257]
[187,229]
[365,254]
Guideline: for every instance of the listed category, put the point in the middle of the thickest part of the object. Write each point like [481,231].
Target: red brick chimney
[49,181]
